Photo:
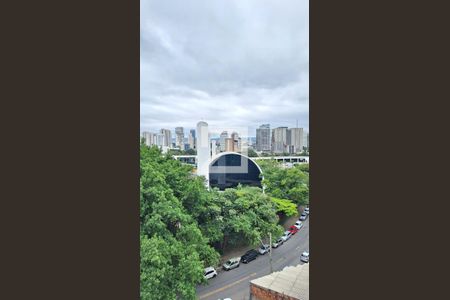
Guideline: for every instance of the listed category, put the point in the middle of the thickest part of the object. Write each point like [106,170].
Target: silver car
[298,224]
[286,235]
[305,257]
[264,249]
[277,243]
[232,263]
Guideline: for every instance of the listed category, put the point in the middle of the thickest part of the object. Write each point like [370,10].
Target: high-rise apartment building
[150,138]
[236,142]
[147,138]
[223,137]
[203,150]
[295,140]
[166,138]
[191,139]
[263,140]
[179,137]
[229,144]
[279,140]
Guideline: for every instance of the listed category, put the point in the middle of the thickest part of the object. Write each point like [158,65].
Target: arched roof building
[228,169]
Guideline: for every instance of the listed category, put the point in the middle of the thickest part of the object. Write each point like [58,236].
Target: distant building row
[278,140]
[225,143]
[281,139]
[163,139]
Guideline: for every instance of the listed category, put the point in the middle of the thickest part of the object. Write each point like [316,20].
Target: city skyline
[215,132]
[244,65]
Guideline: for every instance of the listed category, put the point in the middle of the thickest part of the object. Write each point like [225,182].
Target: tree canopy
[184,225]
[286,183]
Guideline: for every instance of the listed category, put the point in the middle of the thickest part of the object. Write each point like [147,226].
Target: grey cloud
[231,63]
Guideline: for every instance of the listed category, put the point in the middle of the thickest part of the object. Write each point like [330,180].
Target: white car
[305,257]
[277,243]
[286,235]
[302,217]
[306,210]
[264,249]
[210,272]
[232,263]
[298,224]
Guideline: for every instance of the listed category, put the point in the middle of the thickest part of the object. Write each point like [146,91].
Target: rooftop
[292,281]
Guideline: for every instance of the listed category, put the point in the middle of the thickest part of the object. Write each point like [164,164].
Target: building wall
[229,145]
[167,138]
[191,139]
[263,140]
[179,132]
[295,139]
[147,138]
[223,137]
[203,150]
[279,140]
[258,293]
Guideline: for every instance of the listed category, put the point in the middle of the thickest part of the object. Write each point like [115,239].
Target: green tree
[191,152]
[174,250]
[285,206]
[241,214]
[286,183]
[304,168]
[184,225]
[252,153]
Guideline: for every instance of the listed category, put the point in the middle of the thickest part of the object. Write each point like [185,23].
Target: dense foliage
[184,226]
[251,153]
[285,206]
[286,183]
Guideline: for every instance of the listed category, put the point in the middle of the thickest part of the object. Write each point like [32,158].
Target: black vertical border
[377,90]
[70,155]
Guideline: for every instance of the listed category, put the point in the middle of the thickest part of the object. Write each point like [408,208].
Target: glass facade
[231,169]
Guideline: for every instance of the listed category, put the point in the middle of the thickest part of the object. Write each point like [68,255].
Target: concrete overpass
[192,159]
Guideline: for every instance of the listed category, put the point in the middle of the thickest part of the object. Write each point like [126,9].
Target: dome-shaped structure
[228,169]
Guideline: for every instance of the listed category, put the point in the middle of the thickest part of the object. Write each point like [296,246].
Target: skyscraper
[167,138]
[295,140]
[203,150]
[263,138]
[229,144]
[223,136]
[149,137]
[179,134]
[191,139]
[236,142]
[279,140]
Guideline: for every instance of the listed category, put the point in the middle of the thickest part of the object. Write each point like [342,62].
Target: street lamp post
[270,251]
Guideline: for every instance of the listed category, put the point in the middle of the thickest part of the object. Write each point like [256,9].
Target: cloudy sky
[227,62]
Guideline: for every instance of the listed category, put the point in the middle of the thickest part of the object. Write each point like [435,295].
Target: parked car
[286,235]
[264,249]
[306,210]
[249,256]
[305,257]
[277,243]
[210,272]
[293,229]
[298,224]
[231,263]
[302,217]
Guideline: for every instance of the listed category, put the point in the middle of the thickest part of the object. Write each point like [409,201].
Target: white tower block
[203,150]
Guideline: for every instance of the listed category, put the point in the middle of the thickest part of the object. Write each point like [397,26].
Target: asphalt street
[235,284]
